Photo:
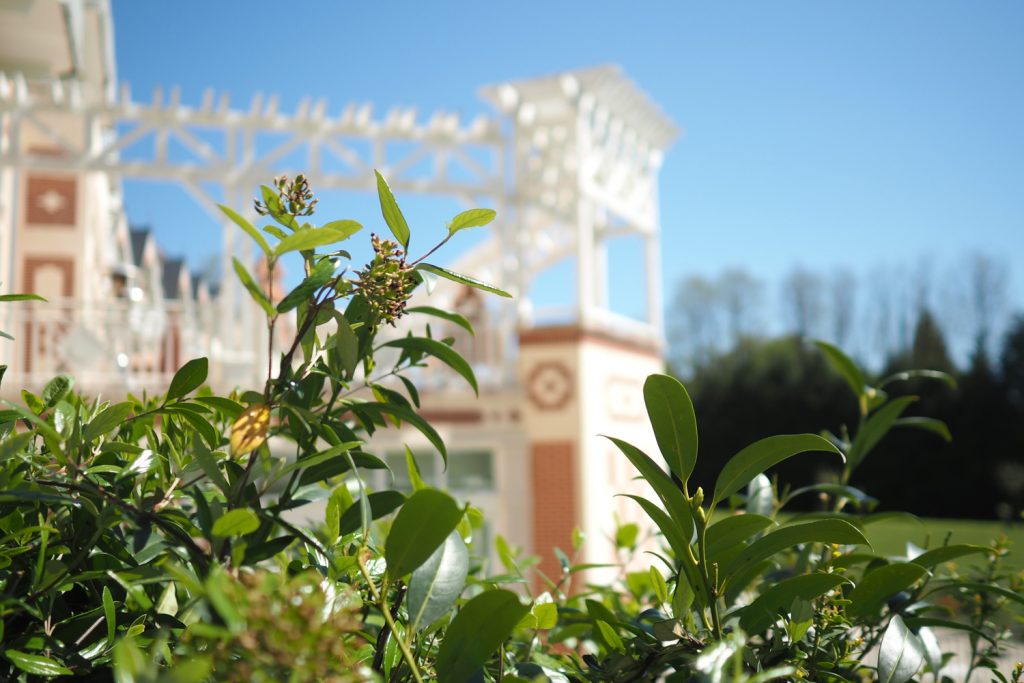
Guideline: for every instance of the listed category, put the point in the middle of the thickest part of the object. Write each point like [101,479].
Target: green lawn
[889,536]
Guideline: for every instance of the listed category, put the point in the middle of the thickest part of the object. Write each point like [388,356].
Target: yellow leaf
[250,429]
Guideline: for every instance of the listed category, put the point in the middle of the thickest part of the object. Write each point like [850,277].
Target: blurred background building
[570,162]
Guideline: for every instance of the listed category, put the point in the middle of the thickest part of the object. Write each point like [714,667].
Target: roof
[607,85]
[139,237]
[171,277]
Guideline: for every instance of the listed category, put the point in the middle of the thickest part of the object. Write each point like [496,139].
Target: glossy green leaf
[974,587]
[108,419]
[406,415]
[109,614]
[320,276]
[820,531]
[906,375]
[948,553]
[392,214]
[189,377]
[928,424]
[900,655]
[476,633]
[56,389]
[236,523]
[609,636]
[346,346]
[37,664]
[248,228]
[879,585]
[731,531]
[421,526]
[20,297]
[675,536]
[760,455]
[763,612]
[436,584]
[461,279]
[440,351]
[381,504]
[306,239]
[666,489]
[876,427]
[845,366]
[455,318]
[473,218]
[675,426]
[257,294]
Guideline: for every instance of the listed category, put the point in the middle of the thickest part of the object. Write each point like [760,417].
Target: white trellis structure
[570,162]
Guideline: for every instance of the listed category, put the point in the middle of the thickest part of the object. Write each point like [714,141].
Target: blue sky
[823,134]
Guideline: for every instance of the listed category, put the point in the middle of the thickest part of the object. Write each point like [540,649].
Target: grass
[889,536]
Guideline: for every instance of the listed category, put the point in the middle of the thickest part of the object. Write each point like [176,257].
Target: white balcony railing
[117,346]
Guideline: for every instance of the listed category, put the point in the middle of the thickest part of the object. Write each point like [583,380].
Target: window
[468,470]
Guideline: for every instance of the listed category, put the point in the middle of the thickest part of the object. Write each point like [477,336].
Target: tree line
[747,385]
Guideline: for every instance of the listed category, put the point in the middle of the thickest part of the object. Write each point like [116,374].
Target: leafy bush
[152,539]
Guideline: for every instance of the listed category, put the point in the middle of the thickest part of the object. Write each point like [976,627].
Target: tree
[802,304]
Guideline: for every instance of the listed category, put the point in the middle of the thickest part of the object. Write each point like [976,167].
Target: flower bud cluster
[295,196]
[386,282]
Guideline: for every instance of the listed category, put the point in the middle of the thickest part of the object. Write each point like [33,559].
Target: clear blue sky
[826,134]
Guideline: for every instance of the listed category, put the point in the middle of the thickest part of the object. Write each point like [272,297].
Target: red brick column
[555,501]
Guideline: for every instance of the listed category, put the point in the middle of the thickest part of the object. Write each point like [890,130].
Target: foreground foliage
[155,539]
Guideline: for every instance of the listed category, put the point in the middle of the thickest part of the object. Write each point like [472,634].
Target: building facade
[570,162]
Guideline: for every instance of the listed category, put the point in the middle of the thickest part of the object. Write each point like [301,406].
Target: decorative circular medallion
[549,385]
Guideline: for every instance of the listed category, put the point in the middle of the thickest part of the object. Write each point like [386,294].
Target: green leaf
[190,377]
[608,634]
[928,424]
[476,633]
[346,228]
[306,239]
[980,588]
[20,297]
[916,623]
[37,664]
[846,367]
[455,318]
[675,426]
[760,455]
[763,612]
[236,523]
[947,553]
[249,229]
[675,536]
[876,427]
[109,615]
[320,276]
[440,351]
[392,214]
[730,531]
[254,289]
[879,585]
[437,583]
[421,526]
[948,379]
[473,218]
[381,504]
[230,409]
[461,279]
[108,419]
[407,415]
[668,493]
[900,655]
[820,531]
[56,389]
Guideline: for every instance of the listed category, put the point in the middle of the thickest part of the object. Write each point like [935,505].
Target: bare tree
[843,288]
[696,327]
[802,303]
[741,296]
[987,292]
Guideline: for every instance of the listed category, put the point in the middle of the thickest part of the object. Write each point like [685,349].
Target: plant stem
[710,590]
[382,603]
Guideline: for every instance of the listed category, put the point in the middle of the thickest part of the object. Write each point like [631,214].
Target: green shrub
[149,539]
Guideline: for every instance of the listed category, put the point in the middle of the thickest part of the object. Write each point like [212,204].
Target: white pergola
[569,162]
